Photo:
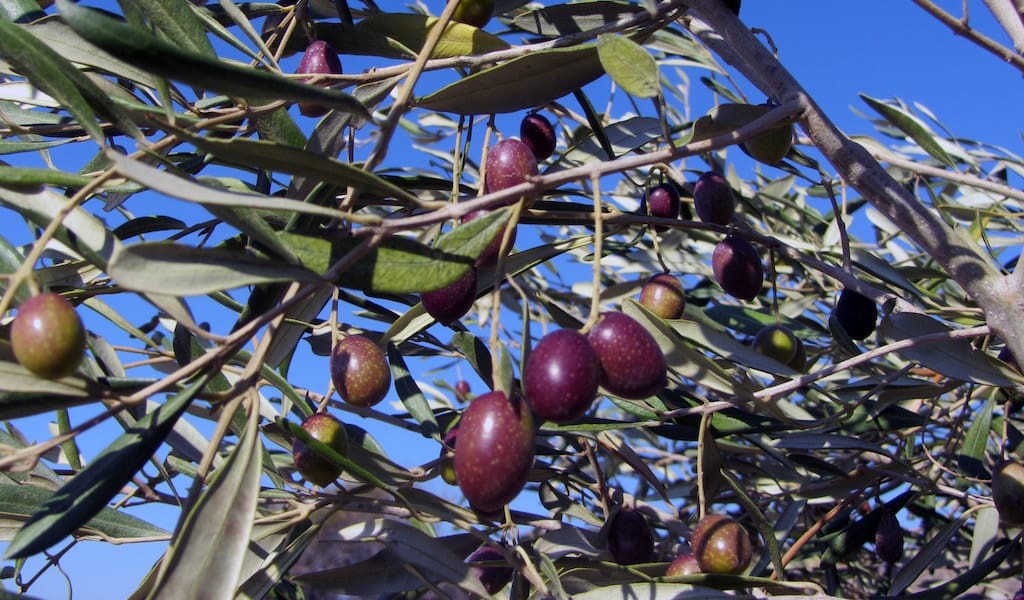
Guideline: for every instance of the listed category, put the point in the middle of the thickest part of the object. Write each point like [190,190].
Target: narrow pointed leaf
[296,161]
[629,65]
[180,270]
[913,127]
[411,31]
[532,80]
[402,265]
[412,397]
[177,23]
[149,52]
[53,74]
[20,502]
[971,458]
[566,19]
[85,495]
[206,556]
[920,561]
[955,358]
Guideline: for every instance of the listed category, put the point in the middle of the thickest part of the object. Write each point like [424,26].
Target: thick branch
[957,254]
[1006,13]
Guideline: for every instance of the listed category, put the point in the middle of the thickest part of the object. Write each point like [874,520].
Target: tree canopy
[247,246]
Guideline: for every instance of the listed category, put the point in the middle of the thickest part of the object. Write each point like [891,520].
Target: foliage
[216,243]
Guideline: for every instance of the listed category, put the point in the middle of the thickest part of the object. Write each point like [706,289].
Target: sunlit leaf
[532,80]
[411,31]
[629,65]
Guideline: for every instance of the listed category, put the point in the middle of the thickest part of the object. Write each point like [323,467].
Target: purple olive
[360,371]
[737,267]
[536,131]
[561,376]
[632,364]
[713,198]
[319,59]
[451,303]
[510,162]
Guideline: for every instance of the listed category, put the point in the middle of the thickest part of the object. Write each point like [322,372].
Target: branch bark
[965,262]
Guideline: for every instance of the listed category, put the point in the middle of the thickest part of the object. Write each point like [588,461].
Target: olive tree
[221,223]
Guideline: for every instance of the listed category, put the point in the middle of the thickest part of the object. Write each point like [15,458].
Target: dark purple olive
[856,313]
[360,371]
[462,390]
[721,545]
[449,304]
[510,162]
[632,365]
[713,199]
[737,267]
[319,59]
[663,294]
[490,254]
[47,336]
[630,540]
[889,537]
[314,468]
[537,133]
[663,202]
[495,450]
[494,579]
[561,376]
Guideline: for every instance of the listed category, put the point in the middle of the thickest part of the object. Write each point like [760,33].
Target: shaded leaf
[933,549]
[19,502]
[532,80]
[180,270]
[567,19]
[411,395]
[955,358]
[210,543]
[85,495]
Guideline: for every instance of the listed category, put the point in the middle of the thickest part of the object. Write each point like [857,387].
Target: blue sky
[882,48]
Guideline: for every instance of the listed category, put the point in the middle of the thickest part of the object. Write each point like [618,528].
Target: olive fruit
[473,12]
[778,342]
[495,578]
[663,295]
[684,564]
[314,468]
[721,545]
[561,376]
[889,536]
[47,336]
[771,145]
[462,390]
[799,362]
[536,131]
[360,371]
[1008,492]
[663,202]
[495,450]
[509,163]
[319,59]
[713,198]
[737,267]
[630,540]
[856,313]
[489,256]
[632,365]
[451,303]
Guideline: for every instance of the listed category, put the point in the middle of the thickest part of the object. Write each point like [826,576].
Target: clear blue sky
[837,49]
